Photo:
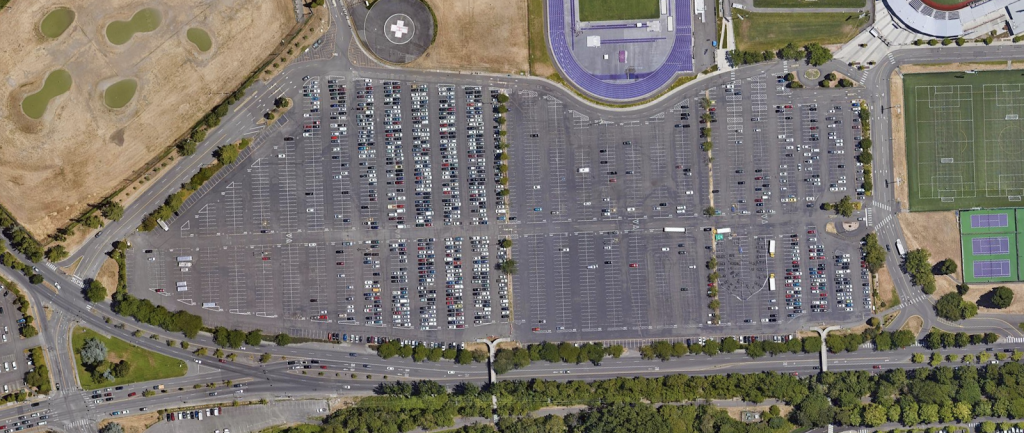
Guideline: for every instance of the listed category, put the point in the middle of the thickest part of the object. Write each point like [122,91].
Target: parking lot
[373,207]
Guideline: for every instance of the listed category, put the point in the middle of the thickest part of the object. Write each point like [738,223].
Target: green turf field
[614,10]
[756,31]
[809,3]
[965,139]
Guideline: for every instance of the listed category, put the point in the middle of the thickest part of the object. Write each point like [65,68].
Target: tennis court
[991,242]
[965,139]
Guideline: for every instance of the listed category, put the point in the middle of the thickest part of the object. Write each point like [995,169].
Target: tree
[28,331]
[874,253]
[709,211]
[265,358]
[845,82]
[111,210]
[503,98]
[508,267]
[1001,297]
[254,337]
[92,221]
[282,339]
[875,415]
[186,147]
[790,52]
[947,267]
[962,289]
[917,358]
[96,292]
[505,243]
[845,206]
[121,369]
[817,55]
[56,253]
[226,154]
[112,428]
[864,157]
[952,306]
[93,352]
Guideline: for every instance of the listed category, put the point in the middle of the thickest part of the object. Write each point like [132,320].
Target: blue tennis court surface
[991,268]
[990,246]
[989,220]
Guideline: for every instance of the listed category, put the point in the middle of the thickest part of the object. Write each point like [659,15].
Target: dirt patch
[936,232]
[886,290]
[805,334]
[1016,306]
[341,403]
[859,329]
[830,228]
[81,150]
[899,140]
[737,412]
[108,276]
[489,35]
[476,347]
[135,423]
[914,324]
[509,345]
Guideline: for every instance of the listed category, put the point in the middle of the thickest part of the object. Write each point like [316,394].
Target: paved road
[277,381]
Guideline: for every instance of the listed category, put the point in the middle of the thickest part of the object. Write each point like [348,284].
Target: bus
[899,248]
[184,258]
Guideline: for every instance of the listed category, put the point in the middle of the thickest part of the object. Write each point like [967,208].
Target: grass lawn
[948,2]
[540,61]
[614,10]
[146,365]
[809,3]
[771,31]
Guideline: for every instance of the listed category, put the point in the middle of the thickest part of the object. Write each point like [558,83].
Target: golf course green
[56,84]
[57,22]
[144,21]
[120,93]
[199,37]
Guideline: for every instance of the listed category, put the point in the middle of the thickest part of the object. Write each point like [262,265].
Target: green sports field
[965,139]
[615,10]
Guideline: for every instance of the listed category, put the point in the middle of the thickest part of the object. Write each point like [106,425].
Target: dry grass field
[488,35]
[53,168]
[1016,306]
[134,423]
[914,324]
[899,140]
[936,232]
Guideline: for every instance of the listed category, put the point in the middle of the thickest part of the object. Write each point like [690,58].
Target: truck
[899,248]
[158,387]
[675,230]
[771,248]
[181,284]
[724,230]
[184,264]
[184,258]
[182,289]
[771,282]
